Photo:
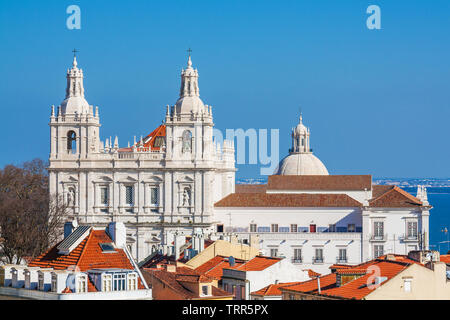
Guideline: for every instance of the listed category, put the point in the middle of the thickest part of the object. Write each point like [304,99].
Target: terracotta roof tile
[357,288]
[214,267]
[149,140]
[87,255]
[258,263]
[272,289]
[395,198]
[319,182]
[250,188]
[174,280]
[287,200]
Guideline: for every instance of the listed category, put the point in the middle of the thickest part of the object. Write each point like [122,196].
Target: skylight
[107,247]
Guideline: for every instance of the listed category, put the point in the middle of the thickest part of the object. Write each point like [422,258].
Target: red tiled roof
[287,200]
[250,188]
[272,289]
[312,273]
[214,267]
[445,258]
[394,198]
[258,263]
[359,287]
[149,140]
[183,274]
[318,182]
[87,255]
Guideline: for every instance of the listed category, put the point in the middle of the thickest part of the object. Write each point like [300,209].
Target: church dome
[73,105]
[301,160]
[301,164]
[189,103]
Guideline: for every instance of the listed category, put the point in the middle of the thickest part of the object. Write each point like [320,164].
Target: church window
[104,196]
[159,141]
[294,228]
[253,227]
[129,195]
[187,141]
[71,142]
[274,228]
[412,230]
[351,228]
[154,196]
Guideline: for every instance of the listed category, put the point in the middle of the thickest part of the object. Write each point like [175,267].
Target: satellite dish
[70,282]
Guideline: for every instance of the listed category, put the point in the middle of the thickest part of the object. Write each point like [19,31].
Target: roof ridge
[406,194]
[84,247]
[374,199]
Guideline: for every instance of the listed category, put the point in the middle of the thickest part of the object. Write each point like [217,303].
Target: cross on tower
[75,52]
[189,51]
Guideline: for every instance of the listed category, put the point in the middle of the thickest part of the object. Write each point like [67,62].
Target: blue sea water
[439,198]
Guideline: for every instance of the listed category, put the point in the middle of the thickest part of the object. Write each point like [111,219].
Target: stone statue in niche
[71,197]
[186,197]
[187,141]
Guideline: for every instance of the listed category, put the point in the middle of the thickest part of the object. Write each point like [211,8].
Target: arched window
[71,142]
[187,141]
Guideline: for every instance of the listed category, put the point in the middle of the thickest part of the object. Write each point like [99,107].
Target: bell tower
[74,127]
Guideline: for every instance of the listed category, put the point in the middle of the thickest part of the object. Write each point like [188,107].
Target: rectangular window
[407,285]
[154,196]
[129,195]
[205,290]
[274,228]
[342,256]
[273,252]
[294,228]
[131,282]
[81,284]
[106,283]
[104,197]
[252,227]
[319,255]
[412,229]
[351,228]
[119,282]
[378,229]
[53,284]
[332,228]
[378,251]
[297,255]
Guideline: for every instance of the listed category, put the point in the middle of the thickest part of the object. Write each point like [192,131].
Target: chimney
[117,232]
[69,226]
[171,268]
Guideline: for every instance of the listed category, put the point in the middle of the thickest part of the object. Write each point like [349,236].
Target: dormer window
[205,290]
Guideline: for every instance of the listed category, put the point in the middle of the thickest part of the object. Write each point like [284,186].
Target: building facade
[316,219]
[164,183]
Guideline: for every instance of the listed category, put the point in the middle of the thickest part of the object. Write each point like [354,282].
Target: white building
[165,182]
[257,273]
[316,220]
[176,180]
[89,264]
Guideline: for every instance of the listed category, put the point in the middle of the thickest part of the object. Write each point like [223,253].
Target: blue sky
[377,101]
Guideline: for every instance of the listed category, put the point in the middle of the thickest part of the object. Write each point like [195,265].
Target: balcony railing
[409,237]
[297,260]
[317,259]
[341,260]
[378,237]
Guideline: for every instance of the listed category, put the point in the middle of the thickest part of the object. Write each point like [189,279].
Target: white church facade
[167,181]
[176,180]
[316,220]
